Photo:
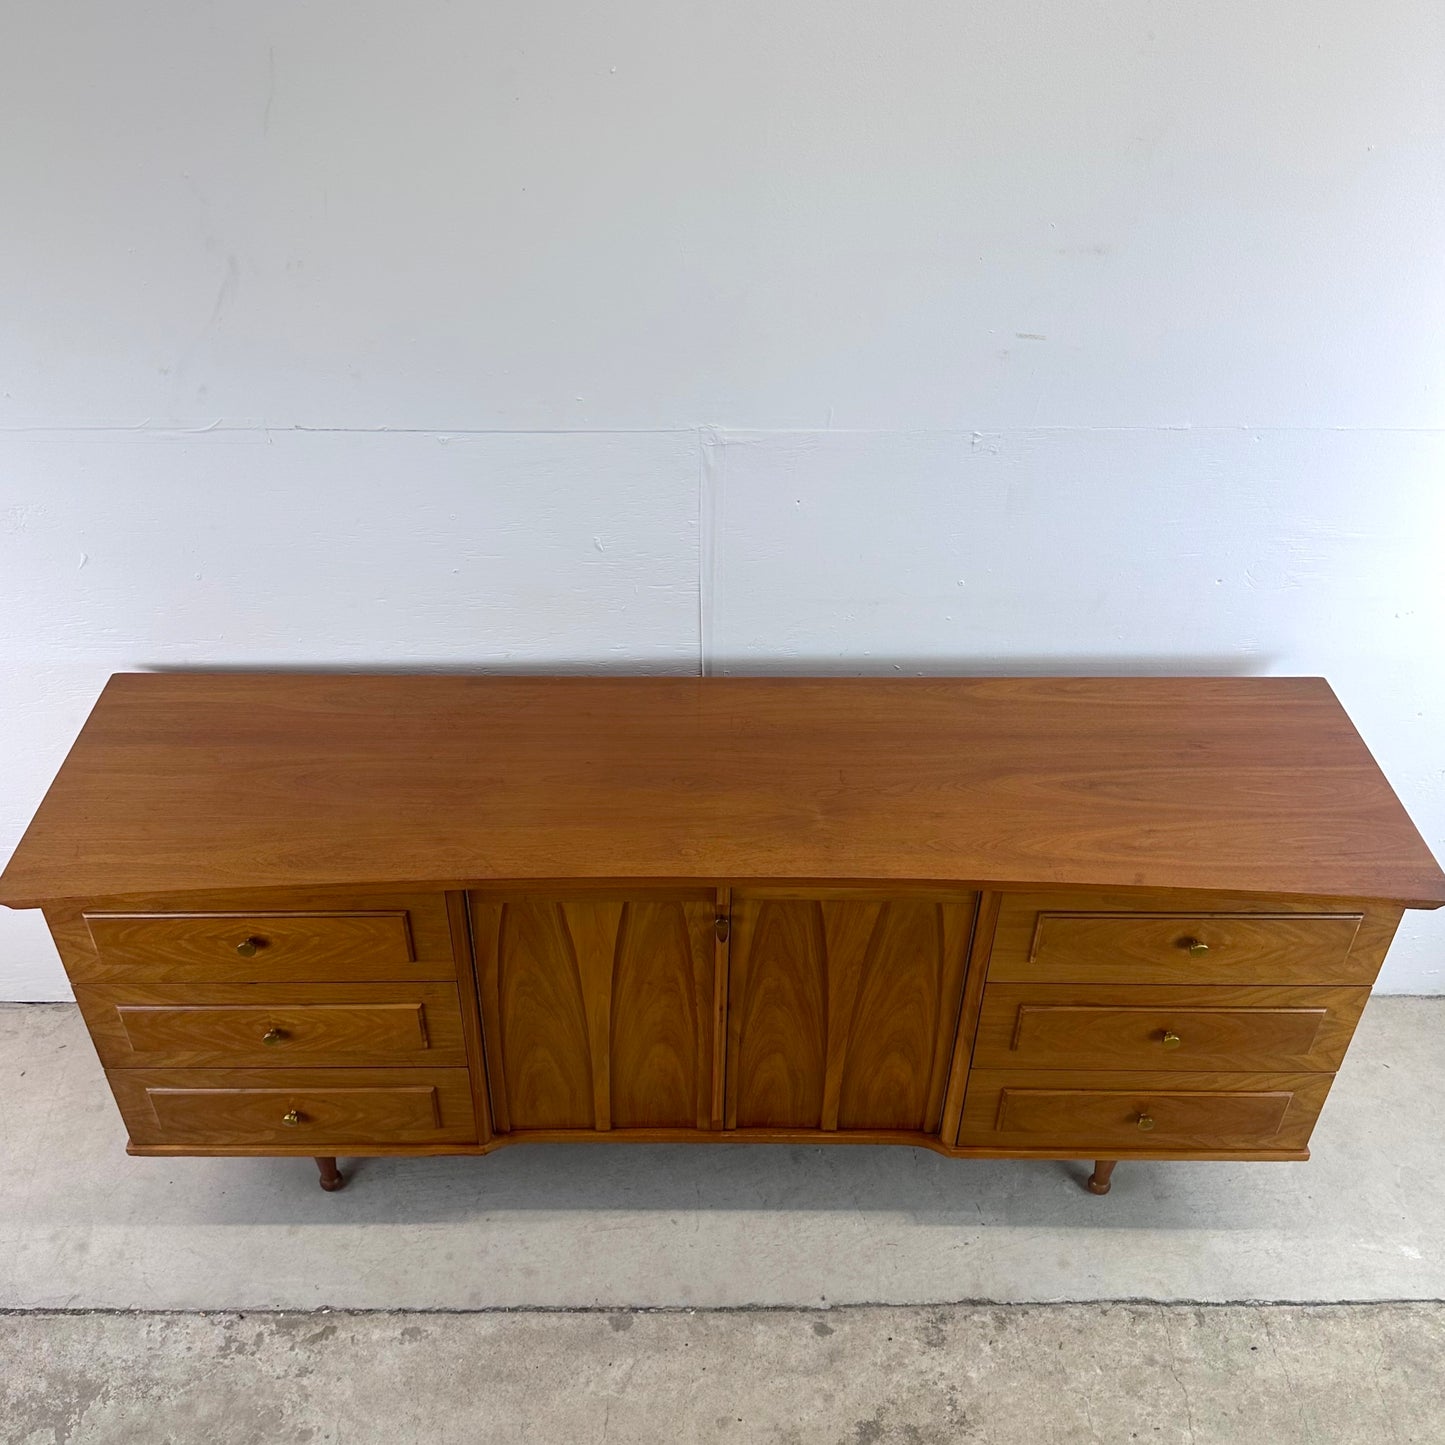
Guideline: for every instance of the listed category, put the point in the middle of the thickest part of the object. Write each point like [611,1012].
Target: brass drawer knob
[247,946]
[1145,1122]
[275,1036]
[1196,946]
[291,1118]
[1171,1040]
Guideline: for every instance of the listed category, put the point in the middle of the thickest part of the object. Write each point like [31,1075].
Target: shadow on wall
[799,665]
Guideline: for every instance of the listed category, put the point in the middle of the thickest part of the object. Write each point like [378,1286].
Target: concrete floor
[83,1227]
[1022,1375]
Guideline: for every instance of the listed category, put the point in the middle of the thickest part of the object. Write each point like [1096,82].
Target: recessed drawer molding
[384,1028]
[1136,1113]
[258,946]
[189,1025]
[313,1110]
[1069,947]
[264,939]
[1123,1114]
[1071,1026]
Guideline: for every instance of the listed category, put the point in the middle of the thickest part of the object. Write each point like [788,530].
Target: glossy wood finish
[985,919]
[722,961]
[1204,947]
[332,1178]
[1095,1001]
[1101,1112]
[182,945]
[995,918]
[337,1107]
[1120,1026]
[906,1138]
[1132,938]
[1099,1181]
[598,1011]
[843,1011]
[273,1025]
[460,925]
[287,944]
[204,782]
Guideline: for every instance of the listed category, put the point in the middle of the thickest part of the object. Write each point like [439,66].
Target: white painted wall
[802,335]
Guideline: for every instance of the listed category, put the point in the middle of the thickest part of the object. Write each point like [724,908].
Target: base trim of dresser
[750,1136]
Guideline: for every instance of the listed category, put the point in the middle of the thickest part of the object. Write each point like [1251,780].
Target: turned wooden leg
[332,1178]
[1098,1181]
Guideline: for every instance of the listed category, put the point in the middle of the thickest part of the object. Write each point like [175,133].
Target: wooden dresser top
[205,782]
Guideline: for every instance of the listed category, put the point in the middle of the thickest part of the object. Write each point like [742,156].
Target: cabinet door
[842,1011]
[598,1012]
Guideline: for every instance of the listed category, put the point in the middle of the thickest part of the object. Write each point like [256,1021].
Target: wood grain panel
[905,1005]
[843,1010]
[1100,1112]
[229,1025]
[1114,1026]
[661,1028]
[1115,937]
[333,1108]
[722,953]
[311,937]
[597,1011]
[469,998]
[778,1014]
[974,978]
[189,782]
[1212,947]
[537,1029]
[295,943]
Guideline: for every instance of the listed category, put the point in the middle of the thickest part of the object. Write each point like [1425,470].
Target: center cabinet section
[601,1011]
[686,1010]
[842,1010]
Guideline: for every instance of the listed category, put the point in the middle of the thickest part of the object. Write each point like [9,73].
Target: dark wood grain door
[842,1010]
[599,1012]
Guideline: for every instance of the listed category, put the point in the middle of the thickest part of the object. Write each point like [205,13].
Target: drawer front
[242,1025]
[1111,1113]
[1073,1026]
[1039,941]
[314,1111]
[261,945]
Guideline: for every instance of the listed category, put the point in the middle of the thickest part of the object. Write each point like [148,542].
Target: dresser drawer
[1044,942]
[314,1111]
[266,1025]
[249,946]
[1113,1026]
[1109,1113]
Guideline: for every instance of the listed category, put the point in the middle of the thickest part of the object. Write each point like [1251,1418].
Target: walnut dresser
[1048,918]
